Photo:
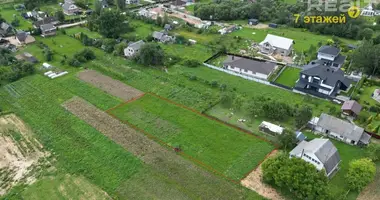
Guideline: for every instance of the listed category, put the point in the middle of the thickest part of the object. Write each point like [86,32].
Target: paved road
[71,25]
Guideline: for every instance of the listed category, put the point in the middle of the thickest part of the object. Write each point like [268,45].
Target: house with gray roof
[48,30]
[250,67]
[69,8]
[5,29]
[163,37]
[273,44]
[133,48]
[340,130]
[330,56]
[47,20]
[319,152]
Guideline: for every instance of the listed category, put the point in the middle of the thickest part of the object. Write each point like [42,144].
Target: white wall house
[133,48]
[273,44]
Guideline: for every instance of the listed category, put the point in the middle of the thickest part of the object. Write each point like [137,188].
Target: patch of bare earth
[372,191]
[109,85]
[21,155]
[166,162]
[254,182]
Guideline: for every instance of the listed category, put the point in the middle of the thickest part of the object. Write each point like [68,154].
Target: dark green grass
[225,149]
[289,76]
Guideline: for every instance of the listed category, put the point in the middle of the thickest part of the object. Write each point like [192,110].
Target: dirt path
[254,182]
[109,85]
[179,170]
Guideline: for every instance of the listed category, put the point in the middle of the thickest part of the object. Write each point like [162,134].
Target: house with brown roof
[351,108]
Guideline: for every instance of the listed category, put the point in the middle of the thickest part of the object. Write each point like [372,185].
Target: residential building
[162,37]
[48,30]
[69,8]
[133,48]
[351,108]
[340,130]
[5,29]
[131,2]
[47,20]
[273,44]
[250,67]
[227,30]
[323,77]
[376,95]
[27,57]
[253,21]
[270,128]
[104,3]
[21,37]
[179,2]
[319,152]
[167,27]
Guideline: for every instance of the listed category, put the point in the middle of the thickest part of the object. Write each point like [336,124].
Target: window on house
[327,131]
[352,141]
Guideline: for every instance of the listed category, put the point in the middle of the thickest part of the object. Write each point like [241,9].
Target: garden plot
[185,178]
[109,85]
[224,149]
[21,155]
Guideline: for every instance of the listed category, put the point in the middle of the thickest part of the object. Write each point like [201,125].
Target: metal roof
[331,50]
[278,42]
[352,105]
[262,67]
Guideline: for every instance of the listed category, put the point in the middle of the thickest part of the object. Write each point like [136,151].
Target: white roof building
[271,128]
[276,44]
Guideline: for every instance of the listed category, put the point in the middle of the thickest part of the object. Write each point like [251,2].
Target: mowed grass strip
[289,76]
[223,148]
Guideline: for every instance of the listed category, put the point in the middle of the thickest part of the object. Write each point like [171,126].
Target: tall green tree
[303,115]
[360,173]
[151,54]
[287,140]
[120,4]
[111,23]
[60,16]
[366,34]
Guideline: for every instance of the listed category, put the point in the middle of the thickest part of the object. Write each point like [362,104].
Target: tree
[373,151]
[60,16]
[111,24]
[98,7]
[287,140]
[366,34]
[120,4]
[360,173]
[365,58]
[226,99]
[48,54]
[297,176]
[303,115]
[151,54]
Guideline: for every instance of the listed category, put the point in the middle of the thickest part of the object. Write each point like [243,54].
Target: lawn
[289,76]
[225,149]
[78,29]
[9,13]
[303,39]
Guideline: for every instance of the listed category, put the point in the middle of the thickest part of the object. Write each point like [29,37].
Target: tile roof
[331,50]
[262,67]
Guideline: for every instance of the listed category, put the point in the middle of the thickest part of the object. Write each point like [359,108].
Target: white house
[255,68]
[273,44]
[319,152]
[133,48]
[339,129]
[131,2]
[69,8]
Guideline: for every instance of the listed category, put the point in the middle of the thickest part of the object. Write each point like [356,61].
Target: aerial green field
[303,39]
[225,149]
[289,76]
[78,29]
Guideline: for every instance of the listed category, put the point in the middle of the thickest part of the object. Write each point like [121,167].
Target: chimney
[233,57]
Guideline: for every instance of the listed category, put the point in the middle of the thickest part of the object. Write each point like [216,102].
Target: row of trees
[277,11]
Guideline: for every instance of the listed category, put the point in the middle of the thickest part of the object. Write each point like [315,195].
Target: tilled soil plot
[183,172]
[109,85]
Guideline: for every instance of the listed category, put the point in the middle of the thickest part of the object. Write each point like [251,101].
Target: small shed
[300,136]
[351,108]
[270,128]
[272,25]
[253,21]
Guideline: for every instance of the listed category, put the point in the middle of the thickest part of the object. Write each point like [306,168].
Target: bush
[214,84]
[74,62]
[193,78]
[191,63]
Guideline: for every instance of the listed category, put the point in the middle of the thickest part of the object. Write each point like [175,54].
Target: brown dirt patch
[167,163]
[20,153]
[254,182]
[258,26]
[109,85]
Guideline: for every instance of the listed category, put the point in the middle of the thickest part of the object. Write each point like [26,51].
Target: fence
[374,135]
[237,74]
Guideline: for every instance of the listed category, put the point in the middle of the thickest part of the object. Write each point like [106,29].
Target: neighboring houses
[228,29]
[270,128]
[69,8]
[376,95]
[131,2]
[133,48]
[351,108]
[5,29]
[47,20]
[340,130]
[179,2]
[368,11]
[24,38]
[48,30]
[255,68]
[27,57]
[168,27]
[253,21]
[319,152]
[104,3]
[273,44]
[323,77]
[162,37]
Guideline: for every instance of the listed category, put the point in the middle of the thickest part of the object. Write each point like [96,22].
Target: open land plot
[10,13]
[78,29]
[225,149]
[347,154]
[303,39]
[178,178]
[109,85]
[289,76]
[22,156]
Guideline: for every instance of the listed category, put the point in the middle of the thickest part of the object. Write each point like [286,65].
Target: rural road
[71,25]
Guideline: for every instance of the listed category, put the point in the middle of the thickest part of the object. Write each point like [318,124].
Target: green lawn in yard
[78,29]
[141,29]
[225,149]
[291,1]
[9,13]
[289,76]
[196,51]
[303,39]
